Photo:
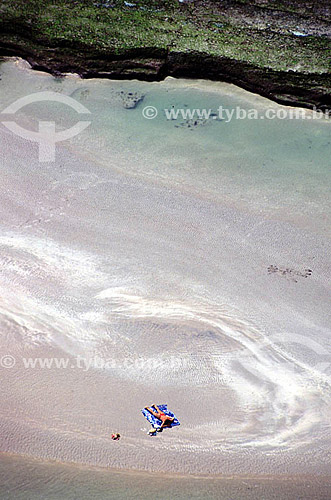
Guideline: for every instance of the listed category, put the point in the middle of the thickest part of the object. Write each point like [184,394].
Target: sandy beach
[187,281]
[33,479]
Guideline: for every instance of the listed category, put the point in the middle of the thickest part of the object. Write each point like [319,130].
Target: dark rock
[150,64]
[130,100]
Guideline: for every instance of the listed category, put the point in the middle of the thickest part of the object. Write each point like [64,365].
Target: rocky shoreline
[288,87]
[299,80]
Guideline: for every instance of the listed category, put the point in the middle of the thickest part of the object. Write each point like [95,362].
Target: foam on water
[211,346]
[152,243]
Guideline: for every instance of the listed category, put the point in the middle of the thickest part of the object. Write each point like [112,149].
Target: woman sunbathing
[165,419]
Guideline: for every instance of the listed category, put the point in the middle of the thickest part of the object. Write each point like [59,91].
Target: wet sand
[194,300]
[23,478]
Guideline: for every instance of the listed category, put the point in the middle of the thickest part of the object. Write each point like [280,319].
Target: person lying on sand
[165,419]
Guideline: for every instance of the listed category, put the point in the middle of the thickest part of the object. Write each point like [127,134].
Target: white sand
[172,288]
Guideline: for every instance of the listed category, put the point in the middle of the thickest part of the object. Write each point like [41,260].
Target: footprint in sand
[289,273]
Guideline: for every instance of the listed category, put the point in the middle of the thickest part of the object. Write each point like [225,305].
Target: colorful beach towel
[155,421]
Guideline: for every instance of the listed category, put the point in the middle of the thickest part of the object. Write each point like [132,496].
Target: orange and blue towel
[155,421]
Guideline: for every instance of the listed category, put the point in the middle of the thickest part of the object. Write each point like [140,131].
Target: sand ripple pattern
[203,344]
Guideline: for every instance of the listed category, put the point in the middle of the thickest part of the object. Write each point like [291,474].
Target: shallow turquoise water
[280,167]
[147,229]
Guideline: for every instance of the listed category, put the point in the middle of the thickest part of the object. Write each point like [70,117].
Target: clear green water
[280,167]
[175,229]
